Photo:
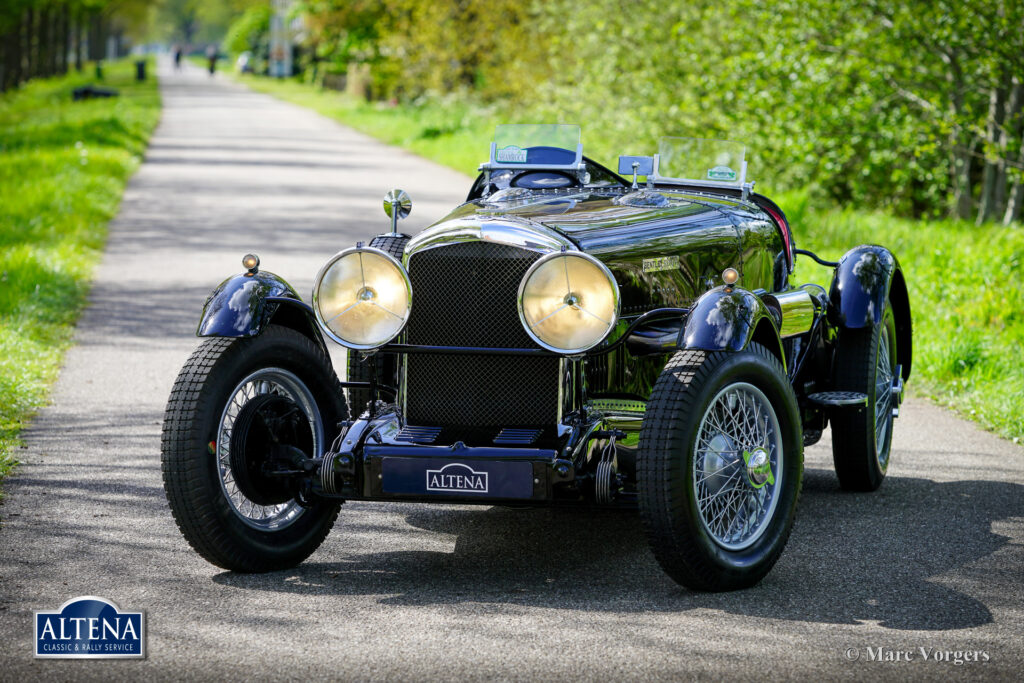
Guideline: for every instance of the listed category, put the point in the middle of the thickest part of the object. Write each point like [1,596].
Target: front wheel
[238,403]
[720,467]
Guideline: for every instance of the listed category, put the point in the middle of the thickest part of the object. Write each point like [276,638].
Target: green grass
[965,282]
[966,298]
[63,167]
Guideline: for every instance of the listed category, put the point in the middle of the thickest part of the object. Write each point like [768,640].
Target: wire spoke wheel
[263,382]
[242,412]
[737,466]
[720,466]
[883,399]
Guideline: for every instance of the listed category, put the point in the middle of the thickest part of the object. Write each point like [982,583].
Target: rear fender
[244,304]
[728,320]
[865,278]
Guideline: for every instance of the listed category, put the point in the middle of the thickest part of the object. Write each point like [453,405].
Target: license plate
[457,478]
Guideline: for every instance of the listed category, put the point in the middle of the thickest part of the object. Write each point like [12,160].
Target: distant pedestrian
[177,57]
[211,56]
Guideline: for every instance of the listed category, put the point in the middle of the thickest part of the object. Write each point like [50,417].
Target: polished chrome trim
[567,254]
[796,311]
[522,234]
[397,205]
[316,296]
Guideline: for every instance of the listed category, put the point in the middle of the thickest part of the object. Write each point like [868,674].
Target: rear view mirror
[629,165]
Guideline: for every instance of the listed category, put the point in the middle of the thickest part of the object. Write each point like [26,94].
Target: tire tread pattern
[186,472]
[853,431]
[660,469]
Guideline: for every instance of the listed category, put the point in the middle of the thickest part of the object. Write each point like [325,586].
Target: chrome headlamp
[362,298]
[568,302]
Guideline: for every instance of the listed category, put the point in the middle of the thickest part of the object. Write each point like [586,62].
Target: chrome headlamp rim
[316,296]
[550,257]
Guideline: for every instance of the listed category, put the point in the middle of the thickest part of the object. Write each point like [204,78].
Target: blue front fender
[727,320]
[244,304]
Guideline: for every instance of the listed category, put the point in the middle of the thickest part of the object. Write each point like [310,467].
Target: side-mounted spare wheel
[720,467]
[237,404]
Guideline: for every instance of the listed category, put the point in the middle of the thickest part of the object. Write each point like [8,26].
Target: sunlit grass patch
[63,167]
[966,298]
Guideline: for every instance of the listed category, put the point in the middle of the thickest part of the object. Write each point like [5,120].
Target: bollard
[140,70]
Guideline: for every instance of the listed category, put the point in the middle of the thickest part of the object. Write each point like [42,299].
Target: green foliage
[63,166]
[250,32]
[417,47]
[895,104]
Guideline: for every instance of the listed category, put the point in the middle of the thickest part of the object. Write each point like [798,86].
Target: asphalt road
[410,592]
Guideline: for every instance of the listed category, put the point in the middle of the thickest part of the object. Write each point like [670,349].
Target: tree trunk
[29,43]
[1015,202]
[94,37]
[63,41]
[55,35]
[961,143]
[1011,123]
[45,41]
[13,78]
[994,124]
[960,172]
[8,61]
[79,40]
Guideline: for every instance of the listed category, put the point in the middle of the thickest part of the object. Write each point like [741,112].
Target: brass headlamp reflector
[362,298]
[568,302]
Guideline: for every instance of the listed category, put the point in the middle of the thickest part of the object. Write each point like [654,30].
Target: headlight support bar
[649,316]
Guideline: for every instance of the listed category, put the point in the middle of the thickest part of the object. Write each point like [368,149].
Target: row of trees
[912,104]
[40,38]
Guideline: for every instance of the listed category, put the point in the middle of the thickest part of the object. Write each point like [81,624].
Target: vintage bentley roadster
[568,335]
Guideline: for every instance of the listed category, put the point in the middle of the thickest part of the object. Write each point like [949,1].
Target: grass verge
[63,168]
[965,282]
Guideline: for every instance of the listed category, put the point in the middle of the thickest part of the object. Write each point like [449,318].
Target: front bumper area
[371,465]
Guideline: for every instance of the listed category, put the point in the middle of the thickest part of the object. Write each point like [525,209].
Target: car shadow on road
[916,554]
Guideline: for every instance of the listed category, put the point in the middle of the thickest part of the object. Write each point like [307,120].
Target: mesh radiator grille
[465,295]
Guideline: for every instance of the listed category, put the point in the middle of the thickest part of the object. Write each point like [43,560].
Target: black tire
[192,473]
[676,532]
[358,370]
[860,456]
[393,245]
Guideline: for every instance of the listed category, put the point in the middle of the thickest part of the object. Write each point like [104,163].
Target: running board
[839,399]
